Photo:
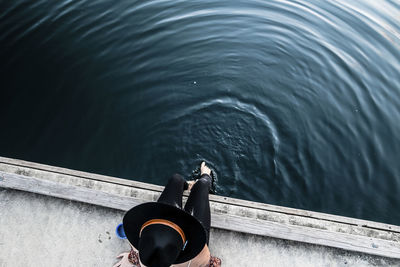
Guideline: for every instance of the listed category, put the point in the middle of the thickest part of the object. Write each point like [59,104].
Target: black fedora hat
[194,231]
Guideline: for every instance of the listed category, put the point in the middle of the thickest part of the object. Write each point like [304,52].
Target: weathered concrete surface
[37,230]
[44,228]
[227,213]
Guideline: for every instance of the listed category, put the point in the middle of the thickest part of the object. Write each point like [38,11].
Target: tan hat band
[167,223]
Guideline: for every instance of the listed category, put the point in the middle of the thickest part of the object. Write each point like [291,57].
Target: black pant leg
[198,203]
[173,191]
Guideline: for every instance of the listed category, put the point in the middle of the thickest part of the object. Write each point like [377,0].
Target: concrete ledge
[227,214]
[70,176]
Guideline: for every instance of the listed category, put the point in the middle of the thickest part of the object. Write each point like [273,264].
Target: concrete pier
[51,216]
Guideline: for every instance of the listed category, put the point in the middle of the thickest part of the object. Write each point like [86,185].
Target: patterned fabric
[134,259]
[214,262]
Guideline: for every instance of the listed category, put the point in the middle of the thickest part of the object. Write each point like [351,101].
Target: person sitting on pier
[162,234]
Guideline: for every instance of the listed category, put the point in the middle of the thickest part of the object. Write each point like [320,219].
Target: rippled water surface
[293,103]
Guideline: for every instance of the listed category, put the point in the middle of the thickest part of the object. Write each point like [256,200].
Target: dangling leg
[173,191]
[198,203]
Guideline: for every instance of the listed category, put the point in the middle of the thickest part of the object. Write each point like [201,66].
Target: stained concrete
[38,230]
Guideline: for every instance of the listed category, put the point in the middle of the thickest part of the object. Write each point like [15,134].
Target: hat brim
[193,229]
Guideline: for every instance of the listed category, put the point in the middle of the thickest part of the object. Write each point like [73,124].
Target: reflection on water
[294,103]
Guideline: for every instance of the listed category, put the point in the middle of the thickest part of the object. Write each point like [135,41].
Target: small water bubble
[194,82]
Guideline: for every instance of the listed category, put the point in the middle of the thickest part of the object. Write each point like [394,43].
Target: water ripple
[293,103]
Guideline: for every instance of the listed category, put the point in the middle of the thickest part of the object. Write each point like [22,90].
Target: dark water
[294,103]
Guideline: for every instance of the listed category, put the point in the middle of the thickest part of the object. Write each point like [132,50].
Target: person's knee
[176,178]
[204,182]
